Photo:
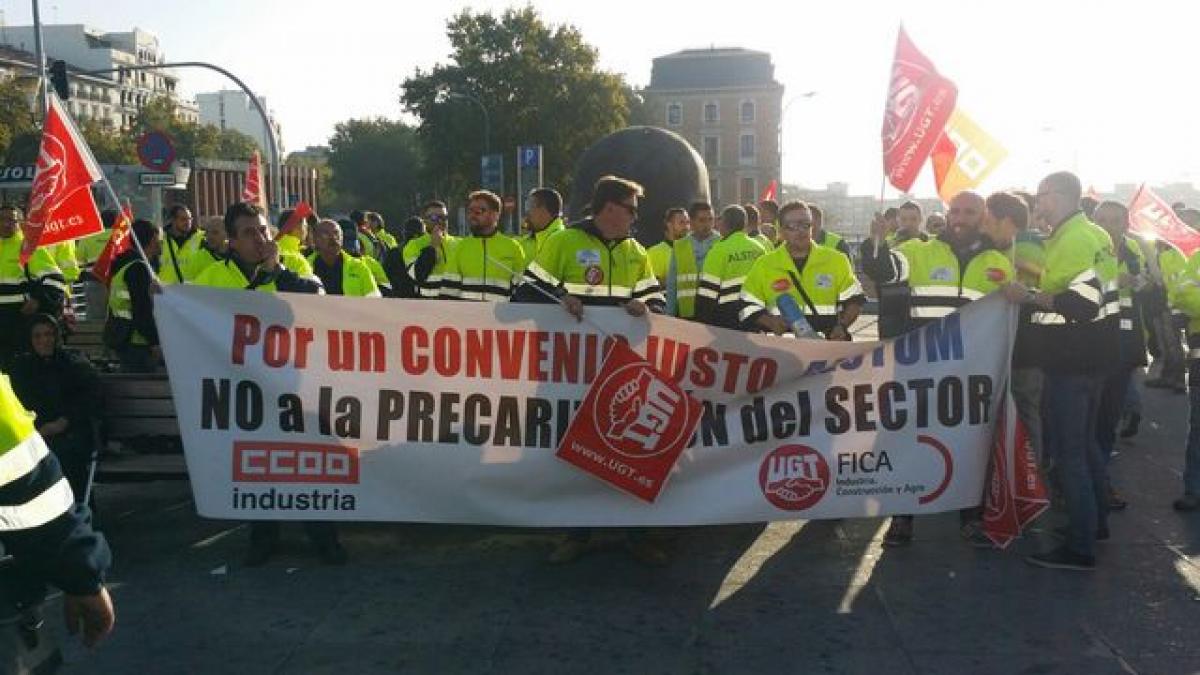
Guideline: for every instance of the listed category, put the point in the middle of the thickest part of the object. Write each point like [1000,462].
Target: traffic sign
[157,179]
[530,156]
[156,151]
[492,173]
[529,172]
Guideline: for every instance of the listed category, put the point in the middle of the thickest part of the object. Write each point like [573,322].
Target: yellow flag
[978,155]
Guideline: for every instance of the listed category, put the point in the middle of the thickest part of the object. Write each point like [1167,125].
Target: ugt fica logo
[794,477]
[637,414]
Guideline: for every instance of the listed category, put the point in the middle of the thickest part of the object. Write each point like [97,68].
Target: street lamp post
[782,115]
[487,123]
[272,142]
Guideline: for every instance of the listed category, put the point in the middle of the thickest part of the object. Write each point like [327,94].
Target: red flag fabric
[943,156]
[919,103]
[302,211]
[1016,494]
[252,192]
[1154,218]
[61,205]
[119,242]
[770,192]
[632,425]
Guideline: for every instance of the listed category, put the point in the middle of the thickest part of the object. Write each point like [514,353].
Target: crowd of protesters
[1094,299]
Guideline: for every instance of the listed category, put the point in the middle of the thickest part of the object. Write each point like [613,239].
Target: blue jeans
[1191,460]
[1072,404]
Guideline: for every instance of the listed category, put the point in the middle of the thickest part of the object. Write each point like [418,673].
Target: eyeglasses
[795,225]
[437,217]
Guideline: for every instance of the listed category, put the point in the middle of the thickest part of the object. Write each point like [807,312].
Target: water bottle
[795,318]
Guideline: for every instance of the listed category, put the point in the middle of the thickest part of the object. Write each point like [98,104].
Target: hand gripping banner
[335,408]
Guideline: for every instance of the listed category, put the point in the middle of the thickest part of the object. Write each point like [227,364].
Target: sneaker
[900,533]
[1063,559]
[1187,503]
[1132,426]
[333,554]
[647,552]
[258,555]
[568,550]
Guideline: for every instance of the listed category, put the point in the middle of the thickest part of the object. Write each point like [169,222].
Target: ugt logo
[794,477]
[51,178]
[638,414]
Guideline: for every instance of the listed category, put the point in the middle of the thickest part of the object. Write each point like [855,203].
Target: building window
[712,150]
[712,113]
[714,190]
[747,112]
[747,190]
[674,114]
[746,147]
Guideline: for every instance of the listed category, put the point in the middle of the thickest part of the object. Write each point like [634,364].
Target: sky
[1103,88]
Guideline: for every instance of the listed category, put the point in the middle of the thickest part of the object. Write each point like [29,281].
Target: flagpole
[112,194]
[548,294]
[40,55]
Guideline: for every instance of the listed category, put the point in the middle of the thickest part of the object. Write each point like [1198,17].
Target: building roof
[713,68]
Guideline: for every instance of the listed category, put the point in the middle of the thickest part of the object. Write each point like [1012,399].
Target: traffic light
[58,77]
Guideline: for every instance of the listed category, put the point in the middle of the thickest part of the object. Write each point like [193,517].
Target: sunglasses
[795,225]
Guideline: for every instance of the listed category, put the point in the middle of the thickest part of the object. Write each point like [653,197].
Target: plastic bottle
[795,318]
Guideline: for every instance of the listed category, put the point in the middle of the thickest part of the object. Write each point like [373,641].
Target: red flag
[632,425]
[1153,218]
[918,104]
[1016,494]
[252,192]
[769,192]
[61,205]
[302,211]
[943,155]
[119,242]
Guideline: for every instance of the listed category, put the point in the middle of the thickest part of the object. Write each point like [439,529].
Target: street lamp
[782,115]
[487,124]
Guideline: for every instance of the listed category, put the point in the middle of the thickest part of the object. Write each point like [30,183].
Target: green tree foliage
[109,146]
[328,199]
[540,84]
[377,165]
[17,122]
[192,140]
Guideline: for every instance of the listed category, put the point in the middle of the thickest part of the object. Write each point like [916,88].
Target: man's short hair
[794,205]
[1121,208]
[548,199]
[910,204]
[771,204]
[1088,205]
[375,218]
[817,214]
[1067,184]
[357,216]
[891,213]
[752,214]
[672,212]
[486,196]
[143,231]
[238,210]
[1026,197]
[613,189]
[175,210]
[434,204]
[696,207]
[734,217]
[1007,205]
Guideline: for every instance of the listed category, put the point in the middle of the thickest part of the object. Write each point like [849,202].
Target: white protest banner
[334,408]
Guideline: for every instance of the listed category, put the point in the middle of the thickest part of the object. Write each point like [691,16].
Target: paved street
[803,597]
